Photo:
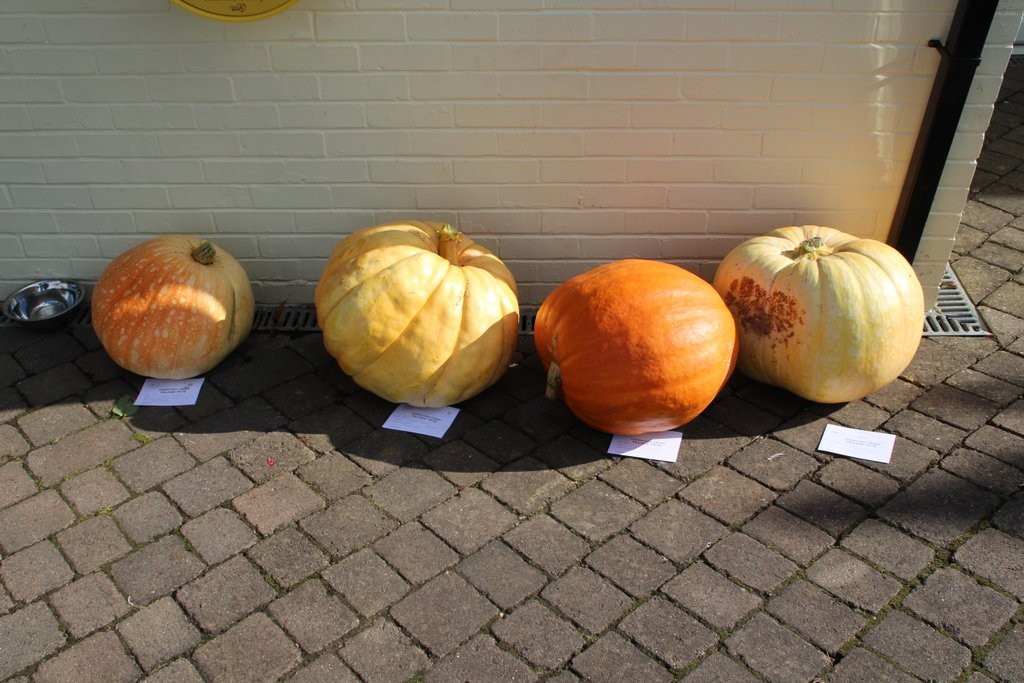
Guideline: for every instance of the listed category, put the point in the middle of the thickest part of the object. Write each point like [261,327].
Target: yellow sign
[236,10]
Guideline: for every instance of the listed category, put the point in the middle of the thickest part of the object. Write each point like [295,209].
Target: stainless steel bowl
[45,305]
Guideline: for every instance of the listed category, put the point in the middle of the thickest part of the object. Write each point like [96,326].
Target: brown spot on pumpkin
[761,312]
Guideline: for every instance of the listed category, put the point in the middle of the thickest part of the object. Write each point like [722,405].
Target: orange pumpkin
[636,346]
[172,307]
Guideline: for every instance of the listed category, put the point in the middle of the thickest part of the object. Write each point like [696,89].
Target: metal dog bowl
[44,305]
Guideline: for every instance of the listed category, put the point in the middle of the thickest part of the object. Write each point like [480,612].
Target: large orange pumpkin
[635,346]
[418,313]
[172,307]
[828,316]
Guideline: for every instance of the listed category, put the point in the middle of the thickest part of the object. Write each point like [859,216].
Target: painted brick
[488,171]
[363,27]
[409,115]
[84,170]
[539,197]
[351,197]
[419,172]
[500,57]
[362,86]
[444,197]
[196,196]
[26,30]
[58,117]
[591,57]
[278,143]
[640,26]
[138,59]
[129,116]
[848,27]
[590,115]
[729,87]
[699,56]
[50,196]
[307,57]
[208,58]
[126,197]
[87,29]
[333,171]
[631,87]
[444,26]
[497,115]
[274,86]
[35,145]
[590,118]
[454,86]
[749,26]
[233,117]
[64,245]
[291,196]
[414,57]
[21,171]
[35,89]
[544,86]
[549,26]
[170,221]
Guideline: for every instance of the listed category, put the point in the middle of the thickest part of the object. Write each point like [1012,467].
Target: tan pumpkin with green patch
[828,316]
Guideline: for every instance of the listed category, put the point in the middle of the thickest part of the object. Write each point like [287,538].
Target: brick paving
[275,531]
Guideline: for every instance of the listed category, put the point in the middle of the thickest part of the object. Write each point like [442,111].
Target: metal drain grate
[300,318]
[953,315]
[526,318]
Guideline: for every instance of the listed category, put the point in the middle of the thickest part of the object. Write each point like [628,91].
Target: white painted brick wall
[560,133]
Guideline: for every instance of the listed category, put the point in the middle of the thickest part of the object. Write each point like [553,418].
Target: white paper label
[169,392]
[857,443]
[427,421]
[662,446]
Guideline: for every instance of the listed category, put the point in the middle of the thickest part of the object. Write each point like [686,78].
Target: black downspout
[959,59]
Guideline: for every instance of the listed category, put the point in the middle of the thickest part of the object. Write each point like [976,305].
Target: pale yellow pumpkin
[418,313]
[172,307]
[828,316]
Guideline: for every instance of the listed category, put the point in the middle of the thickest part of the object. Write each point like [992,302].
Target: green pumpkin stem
[812,248]
[553,390]
[449,248]
[812,245]
[205,253]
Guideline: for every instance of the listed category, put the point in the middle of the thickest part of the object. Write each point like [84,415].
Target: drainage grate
[279,318]
[527,316]
[953,315]
[302,318]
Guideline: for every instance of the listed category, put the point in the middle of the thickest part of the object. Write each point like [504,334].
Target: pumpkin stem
[450,238]
[811,245]
[553,390]
[812,248]
[205,253]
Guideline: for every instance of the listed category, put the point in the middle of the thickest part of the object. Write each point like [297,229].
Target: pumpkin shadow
[288,383]
[509,427]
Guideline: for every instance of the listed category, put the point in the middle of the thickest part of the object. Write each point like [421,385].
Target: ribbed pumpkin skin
[640,346]
[418,313]
[832,323]
[160,313]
